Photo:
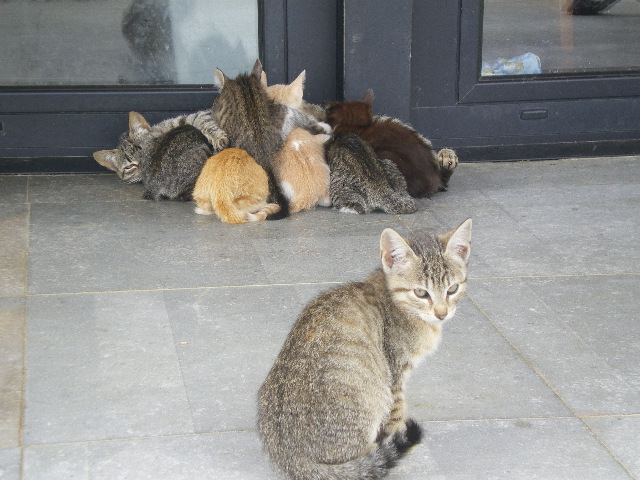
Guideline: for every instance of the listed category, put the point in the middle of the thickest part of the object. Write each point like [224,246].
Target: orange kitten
[302,170]
[234,187]
[291,95]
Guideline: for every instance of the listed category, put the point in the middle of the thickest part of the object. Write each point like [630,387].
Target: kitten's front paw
[220,143]
[448,159]
[325,126]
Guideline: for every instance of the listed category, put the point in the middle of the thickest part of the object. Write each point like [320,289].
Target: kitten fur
[332,406]
[291,95]
[425,171]
[257,124]
[234,187]
[302,171]
[141,137]
[171,165]
[361,182]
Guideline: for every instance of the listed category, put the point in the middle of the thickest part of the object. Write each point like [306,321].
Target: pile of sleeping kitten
[261,152]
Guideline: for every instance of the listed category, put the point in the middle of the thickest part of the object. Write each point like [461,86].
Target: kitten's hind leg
[448,161]
[203,207]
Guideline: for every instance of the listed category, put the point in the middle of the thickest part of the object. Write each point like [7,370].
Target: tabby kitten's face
[427,275]
[125,157]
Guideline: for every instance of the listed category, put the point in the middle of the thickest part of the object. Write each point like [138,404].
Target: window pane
[123,42]
[560,36]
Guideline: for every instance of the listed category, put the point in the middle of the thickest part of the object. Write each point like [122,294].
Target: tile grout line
[23,386]
[330,282]
[581,418]
[252,430]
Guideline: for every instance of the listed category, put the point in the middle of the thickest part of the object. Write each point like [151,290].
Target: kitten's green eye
[421,293]
[453,289]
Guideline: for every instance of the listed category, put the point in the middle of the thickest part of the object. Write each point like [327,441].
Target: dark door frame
[425,70]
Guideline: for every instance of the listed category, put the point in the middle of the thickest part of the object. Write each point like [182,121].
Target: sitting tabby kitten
[302,170]
[291,95]
[138,143]
[425,171]
[360,182]
[332,406]
[234,187]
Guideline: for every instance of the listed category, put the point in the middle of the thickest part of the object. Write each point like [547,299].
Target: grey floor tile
[593,229]
[10,464]
[594,304]
[344,247]
[476,374]
[131,246]
[101,367]
[571,171]
[338,258]
[228,456]
[227,340]
[500,246]
[622,436]
[14,245]
[525,449]
[13,314]
[82,188]
[323,222]
[575,353]
[13,189]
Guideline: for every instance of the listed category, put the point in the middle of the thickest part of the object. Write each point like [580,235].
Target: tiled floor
[134,335]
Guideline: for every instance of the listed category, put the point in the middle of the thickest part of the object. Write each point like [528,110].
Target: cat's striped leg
[397,418]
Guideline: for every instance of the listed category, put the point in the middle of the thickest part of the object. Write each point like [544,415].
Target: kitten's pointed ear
[457,243]
[396,253]
[219,79]
[137,123]
[263,79]
[257,69]
[368,97]
[106,158]
[298,83]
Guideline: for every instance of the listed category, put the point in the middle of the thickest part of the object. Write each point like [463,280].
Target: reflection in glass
[560,37]
[112,42]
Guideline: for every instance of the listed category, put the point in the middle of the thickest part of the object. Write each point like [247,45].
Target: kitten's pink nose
[440,315]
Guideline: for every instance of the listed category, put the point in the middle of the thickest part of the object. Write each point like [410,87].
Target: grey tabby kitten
[257,124]
[360,182]
[333,406]
[141,137]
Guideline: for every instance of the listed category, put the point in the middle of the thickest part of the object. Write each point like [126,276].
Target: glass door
[73,69]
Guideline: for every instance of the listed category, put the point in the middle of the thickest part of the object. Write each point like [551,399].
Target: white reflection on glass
[100,42]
